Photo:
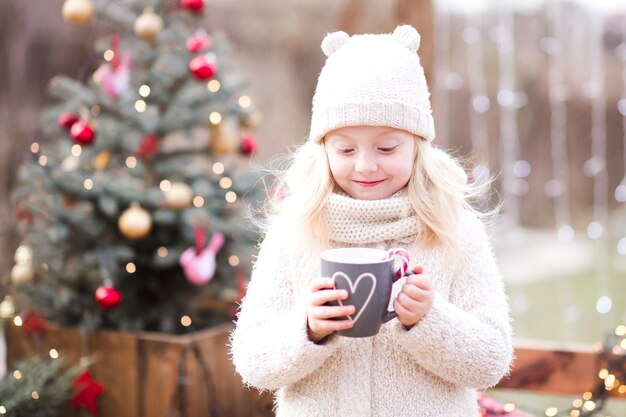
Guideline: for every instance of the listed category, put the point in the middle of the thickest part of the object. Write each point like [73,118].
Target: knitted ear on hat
[407,36]
[333,41]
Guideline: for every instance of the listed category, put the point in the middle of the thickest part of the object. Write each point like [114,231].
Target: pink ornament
[67,119]
[198,41]
[82,133]
[203,67]
[248,144]
[193,5]
[115,79]
[199,263]
[108,298]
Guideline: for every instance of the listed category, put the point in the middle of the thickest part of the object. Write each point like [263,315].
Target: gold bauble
[101,160]
[223,141]
[251,121]
[23,255]
[22,274]
[135,222]
[179,196]
[148,25]
[70,164]
[78,12]
[7,308]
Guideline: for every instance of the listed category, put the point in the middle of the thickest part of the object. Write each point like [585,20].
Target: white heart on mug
[353,287]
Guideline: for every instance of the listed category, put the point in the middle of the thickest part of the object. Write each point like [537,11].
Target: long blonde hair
[438,191]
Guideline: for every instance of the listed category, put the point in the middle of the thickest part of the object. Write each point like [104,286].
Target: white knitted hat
[372,80]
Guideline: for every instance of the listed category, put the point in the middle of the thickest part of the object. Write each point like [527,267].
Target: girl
[369,177]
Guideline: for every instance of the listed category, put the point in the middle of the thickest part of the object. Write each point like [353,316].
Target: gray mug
[368,275]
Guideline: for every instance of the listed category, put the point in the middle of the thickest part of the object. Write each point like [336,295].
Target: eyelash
[383,150]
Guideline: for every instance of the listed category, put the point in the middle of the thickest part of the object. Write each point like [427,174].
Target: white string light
[558,187]
[512,186]
[441,68]
[479,103]
[620,191]
[596,165]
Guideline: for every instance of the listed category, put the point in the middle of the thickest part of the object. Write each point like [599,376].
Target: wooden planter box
[141,371]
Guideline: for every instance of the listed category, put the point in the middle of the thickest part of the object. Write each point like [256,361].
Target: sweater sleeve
[466,340]
[270,347]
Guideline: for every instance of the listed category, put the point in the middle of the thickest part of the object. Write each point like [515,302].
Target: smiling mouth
[369,183]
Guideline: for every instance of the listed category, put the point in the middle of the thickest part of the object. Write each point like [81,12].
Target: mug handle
[402,258]
[390,315]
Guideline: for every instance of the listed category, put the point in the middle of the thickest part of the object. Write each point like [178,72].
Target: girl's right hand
[321,318]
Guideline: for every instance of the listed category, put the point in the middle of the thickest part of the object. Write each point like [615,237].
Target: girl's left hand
[415,299]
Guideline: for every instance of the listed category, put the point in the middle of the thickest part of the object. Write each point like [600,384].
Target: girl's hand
[415,299]
[320,317]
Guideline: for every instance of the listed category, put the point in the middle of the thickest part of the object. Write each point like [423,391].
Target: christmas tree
[132,205]
[37,387]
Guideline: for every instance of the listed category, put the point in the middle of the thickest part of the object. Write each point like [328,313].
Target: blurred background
[533,93]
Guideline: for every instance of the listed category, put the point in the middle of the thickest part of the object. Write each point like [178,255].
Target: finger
[329,312]
[329,326]
[325,296]
[420,281]
[321,283]
[415,292]
[408,303]
[401,310]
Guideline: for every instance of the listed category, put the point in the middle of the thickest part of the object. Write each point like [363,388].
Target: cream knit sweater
[462,344]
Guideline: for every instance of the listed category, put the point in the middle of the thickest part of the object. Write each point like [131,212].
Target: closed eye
[345,151]
[388,150]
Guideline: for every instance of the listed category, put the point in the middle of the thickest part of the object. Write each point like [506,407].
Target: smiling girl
[369,176]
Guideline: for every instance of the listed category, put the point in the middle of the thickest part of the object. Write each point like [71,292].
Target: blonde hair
[438,191]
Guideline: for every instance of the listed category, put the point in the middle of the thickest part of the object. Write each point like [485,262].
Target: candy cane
[399,255]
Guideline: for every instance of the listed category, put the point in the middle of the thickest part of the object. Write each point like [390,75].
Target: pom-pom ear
[333,41]
[408,37]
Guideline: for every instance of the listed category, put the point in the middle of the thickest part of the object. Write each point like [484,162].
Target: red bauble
[198,41]
[82,133]
[67,119]
[148,147]
[193,5]
[248,145]
[203,67]
[107,297]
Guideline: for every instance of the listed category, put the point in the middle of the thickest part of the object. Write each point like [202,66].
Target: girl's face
[370,162]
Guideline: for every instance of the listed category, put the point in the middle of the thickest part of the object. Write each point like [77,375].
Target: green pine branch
[37,387]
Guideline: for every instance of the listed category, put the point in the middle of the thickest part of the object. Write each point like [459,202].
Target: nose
[365,163]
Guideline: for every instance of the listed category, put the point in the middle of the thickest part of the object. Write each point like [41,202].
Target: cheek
[403,169]
[337,166]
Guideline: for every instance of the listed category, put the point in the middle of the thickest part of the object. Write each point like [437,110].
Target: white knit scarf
[371,221]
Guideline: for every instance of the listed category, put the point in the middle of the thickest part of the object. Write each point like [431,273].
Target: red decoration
[82,133]
[248,144]
[203,66]
[193,5]
[198,41]
[22,214]
[67,119]
[107,297]
[86,393]
[148,146]
[34,324]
